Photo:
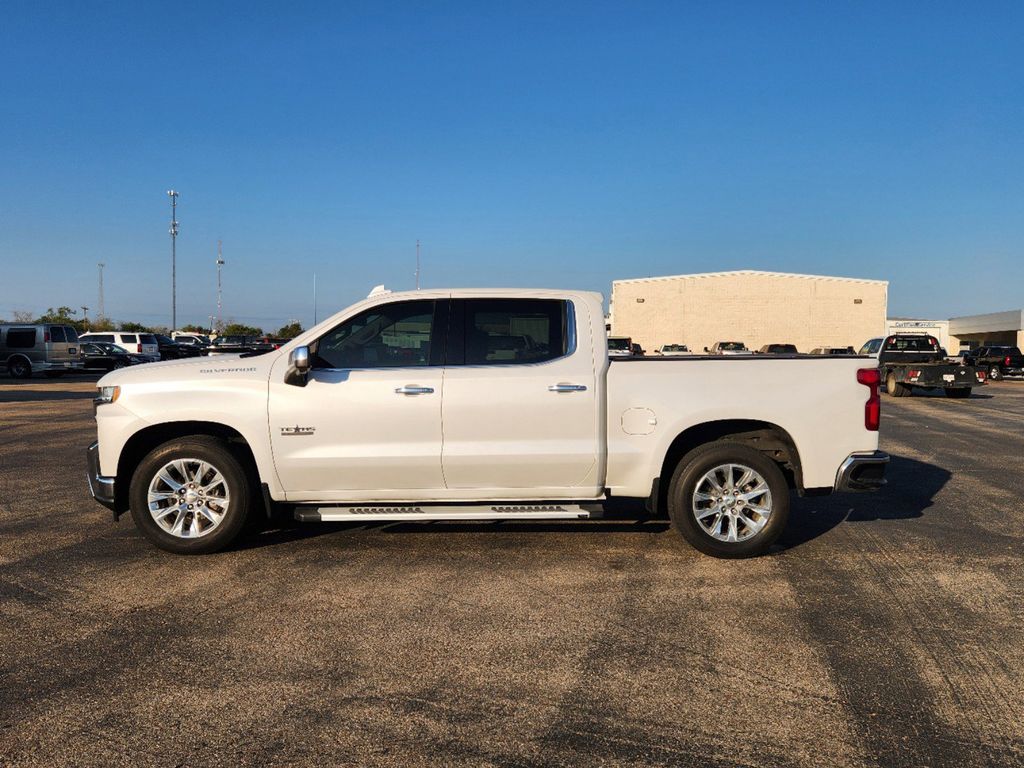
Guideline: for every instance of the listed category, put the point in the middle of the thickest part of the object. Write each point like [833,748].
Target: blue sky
[525,144]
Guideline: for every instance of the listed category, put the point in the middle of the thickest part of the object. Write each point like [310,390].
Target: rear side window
[509,331]
[21,338]
[108,337]
[147,338]
[57,334]
[129,338]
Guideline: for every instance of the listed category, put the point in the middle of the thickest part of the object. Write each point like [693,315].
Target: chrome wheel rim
[732,502]
[188,498]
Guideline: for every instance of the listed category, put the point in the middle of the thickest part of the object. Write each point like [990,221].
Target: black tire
[895,388]
[689,472]
[239,487]
[995,373]
[19,367]
[118,364]
[960,392]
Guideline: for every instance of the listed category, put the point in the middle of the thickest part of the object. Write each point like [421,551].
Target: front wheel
[995,373]
[958,393]
[190,496]
[728,500]
[19,368]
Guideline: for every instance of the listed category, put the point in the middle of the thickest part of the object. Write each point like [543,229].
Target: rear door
[521,405]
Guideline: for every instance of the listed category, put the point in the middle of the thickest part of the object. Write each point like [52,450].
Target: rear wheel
[958,392]
[191,496]
[728,500]
[895,388]
[995,373]
[19,368]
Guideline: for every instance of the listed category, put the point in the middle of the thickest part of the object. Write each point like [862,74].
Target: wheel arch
[768,438]
[145,440]
[18,356]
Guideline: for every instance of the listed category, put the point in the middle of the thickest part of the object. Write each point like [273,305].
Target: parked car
[833,351]
[636,350]
[620,346]
[997,361]
[144,344]
[728,348]
[172,349]
[27,348]
[405,407]
[104,356]
[778,349]
[909,360]
[672,350]
[232,345]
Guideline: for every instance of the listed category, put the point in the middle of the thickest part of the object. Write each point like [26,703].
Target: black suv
[998,361]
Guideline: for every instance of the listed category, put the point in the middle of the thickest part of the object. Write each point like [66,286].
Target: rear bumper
[101,488]
[862,472]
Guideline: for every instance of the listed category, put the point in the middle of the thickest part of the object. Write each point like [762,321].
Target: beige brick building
[756,308]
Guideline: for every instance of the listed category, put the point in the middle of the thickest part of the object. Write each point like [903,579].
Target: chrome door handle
[567,388]
[411,390]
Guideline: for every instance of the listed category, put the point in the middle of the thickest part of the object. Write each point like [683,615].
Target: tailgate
[944,376]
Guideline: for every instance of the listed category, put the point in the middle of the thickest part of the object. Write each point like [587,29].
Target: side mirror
[706,349]
[298,367]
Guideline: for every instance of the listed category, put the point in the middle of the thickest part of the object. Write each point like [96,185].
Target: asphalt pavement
[886,629]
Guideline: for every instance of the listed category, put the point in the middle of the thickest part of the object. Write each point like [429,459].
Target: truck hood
[201,370]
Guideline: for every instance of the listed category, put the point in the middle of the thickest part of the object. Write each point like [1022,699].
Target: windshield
[619,345]
[732,346]
[674,348]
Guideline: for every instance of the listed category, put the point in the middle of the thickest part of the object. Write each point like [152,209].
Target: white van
[144,344]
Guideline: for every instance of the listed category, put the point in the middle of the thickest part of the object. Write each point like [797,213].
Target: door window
[57,334]
[508,331]
[128,338]
[395,335]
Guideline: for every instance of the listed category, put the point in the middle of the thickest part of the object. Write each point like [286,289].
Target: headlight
[107,395]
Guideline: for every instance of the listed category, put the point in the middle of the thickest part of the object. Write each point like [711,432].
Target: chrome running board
[367,512]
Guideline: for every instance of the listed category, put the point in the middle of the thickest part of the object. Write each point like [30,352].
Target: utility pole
[220,263]
[417,265]
[85,313]
[101,314]
[174,259]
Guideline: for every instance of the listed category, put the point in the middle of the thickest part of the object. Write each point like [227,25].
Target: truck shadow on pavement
[911,489]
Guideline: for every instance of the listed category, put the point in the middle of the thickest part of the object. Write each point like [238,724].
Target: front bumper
[101,488]
[862,472]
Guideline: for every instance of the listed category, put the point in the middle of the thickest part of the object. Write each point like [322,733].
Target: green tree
[194,329]
[135,328]
[237,329]
[290,331]
[63,316]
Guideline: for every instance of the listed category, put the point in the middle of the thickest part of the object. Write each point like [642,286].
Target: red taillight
[46,336]
[1006,362]
[139,346]
[871,378]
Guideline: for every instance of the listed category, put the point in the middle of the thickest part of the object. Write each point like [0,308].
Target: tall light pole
[220,263]
[85,313]
[174,259]
[101,313]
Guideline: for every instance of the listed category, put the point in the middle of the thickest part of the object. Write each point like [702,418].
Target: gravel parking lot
[886,630]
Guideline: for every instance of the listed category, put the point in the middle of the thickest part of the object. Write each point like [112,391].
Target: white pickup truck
[479,404]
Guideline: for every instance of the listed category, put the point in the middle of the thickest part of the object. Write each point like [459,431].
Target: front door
[367,425]
[521,410]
